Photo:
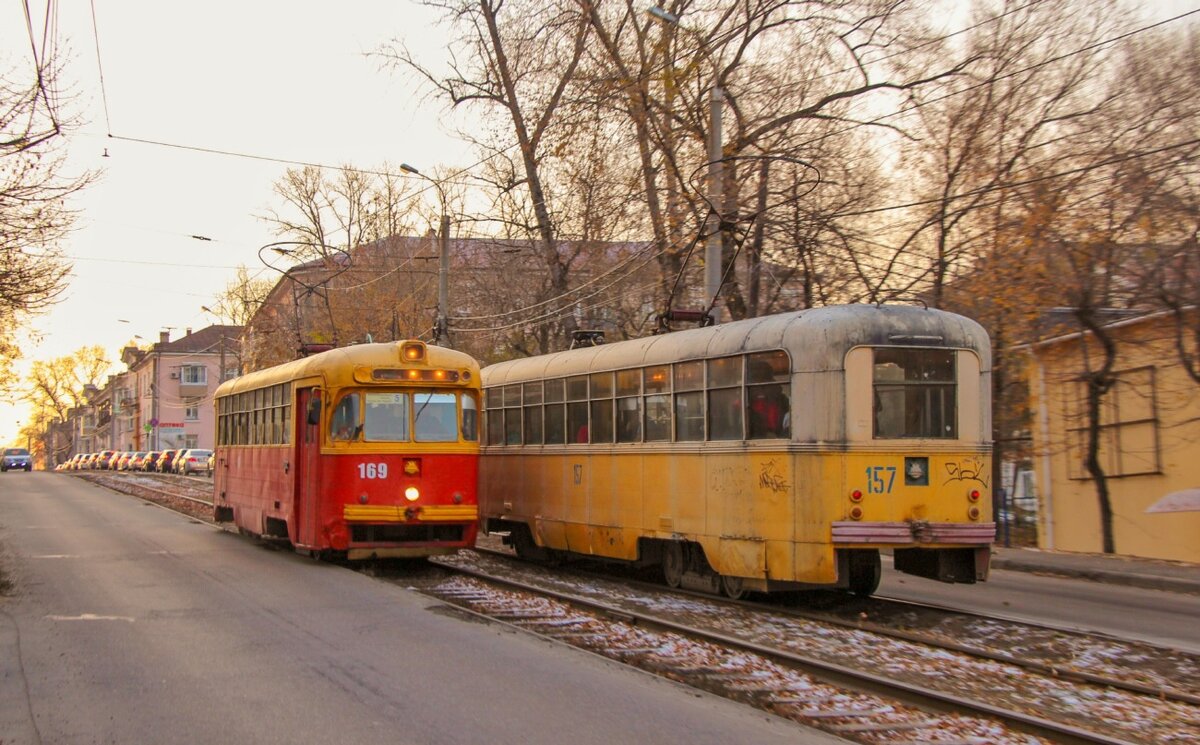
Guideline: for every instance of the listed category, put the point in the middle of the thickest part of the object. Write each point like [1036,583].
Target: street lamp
[441,326]
[716,102]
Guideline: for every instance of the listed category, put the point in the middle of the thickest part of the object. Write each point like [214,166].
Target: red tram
[368,451]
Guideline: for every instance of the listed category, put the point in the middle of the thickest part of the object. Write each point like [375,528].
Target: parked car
[192,461]
[16,458]
[134,461]
[150,461]
[120,461]
[166,459]
[103,461]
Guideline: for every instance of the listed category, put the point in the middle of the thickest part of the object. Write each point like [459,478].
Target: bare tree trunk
[1098,383]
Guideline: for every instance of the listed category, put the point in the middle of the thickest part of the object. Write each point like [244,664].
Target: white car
[17,458]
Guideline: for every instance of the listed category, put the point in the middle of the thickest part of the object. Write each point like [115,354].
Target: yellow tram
[775,453]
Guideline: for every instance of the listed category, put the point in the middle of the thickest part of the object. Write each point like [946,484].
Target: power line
[100,68]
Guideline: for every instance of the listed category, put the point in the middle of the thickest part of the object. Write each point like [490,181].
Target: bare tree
[522,56]
[34,189]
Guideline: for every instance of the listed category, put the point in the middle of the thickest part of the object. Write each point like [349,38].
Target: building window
[194,375]
[191,410]
[191,441]
[1129,440]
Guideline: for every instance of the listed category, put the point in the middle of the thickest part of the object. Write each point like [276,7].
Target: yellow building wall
[1152,432]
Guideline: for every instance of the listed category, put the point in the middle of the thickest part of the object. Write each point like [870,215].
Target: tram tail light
[974,495]
[856,495]
[856,513]
[973,513]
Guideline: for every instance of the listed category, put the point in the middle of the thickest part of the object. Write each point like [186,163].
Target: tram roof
[336,366]
[817,339]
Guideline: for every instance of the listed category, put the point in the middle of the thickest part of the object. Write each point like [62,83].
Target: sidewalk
[1151,574]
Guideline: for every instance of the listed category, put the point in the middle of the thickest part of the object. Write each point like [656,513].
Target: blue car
[16,458]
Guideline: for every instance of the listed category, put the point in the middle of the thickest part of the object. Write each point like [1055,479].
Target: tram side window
[436,417]
[601,425]
[629,406]
[385,418]
[495,417]
[689,401]
[768,411]
[725,398]
[532,397]
[344,424]
[577,409]
[915,393]
[555,413]
[656,382]
[512,414]
[470,417]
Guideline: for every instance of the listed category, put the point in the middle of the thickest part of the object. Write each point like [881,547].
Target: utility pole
[713,247]
[441,324]
[716,156]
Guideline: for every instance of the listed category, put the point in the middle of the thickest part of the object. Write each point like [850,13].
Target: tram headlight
[412,494]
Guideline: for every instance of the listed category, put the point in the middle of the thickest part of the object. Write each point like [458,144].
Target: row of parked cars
[185,462]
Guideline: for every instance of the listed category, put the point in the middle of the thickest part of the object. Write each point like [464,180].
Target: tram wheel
[522,543]
[732,587]
[672,564]
[865,573]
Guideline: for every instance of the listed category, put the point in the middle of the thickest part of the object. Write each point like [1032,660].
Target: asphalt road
[130,624]
[1154,616]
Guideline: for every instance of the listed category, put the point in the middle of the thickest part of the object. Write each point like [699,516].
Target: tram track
[832,677]
[1059,707]
[1136,667]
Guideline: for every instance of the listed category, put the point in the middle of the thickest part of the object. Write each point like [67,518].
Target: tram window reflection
[436,417]
[386,417]
[344,423]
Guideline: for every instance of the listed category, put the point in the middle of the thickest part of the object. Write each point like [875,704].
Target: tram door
[308,447]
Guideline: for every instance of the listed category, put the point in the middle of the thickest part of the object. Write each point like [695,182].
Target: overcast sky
[287,80]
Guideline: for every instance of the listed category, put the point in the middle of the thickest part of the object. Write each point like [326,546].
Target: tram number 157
[880,479]
[372,470]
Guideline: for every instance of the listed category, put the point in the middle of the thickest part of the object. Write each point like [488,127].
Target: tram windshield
[402,416]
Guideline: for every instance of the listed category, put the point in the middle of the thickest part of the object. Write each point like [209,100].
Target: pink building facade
[165,400]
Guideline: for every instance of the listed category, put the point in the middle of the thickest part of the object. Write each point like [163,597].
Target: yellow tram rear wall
[764,510]
[349,367]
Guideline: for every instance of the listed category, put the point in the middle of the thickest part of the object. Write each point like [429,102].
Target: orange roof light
[413,351]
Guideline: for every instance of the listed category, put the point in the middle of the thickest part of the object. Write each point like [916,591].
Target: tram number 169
[880,479]
[372,470]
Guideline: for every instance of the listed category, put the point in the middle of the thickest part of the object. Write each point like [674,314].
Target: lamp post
[441,326]
[716,103]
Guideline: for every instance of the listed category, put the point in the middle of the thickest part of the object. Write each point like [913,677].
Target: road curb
[1107,576]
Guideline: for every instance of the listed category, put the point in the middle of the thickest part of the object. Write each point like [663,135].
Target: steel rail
[1043,668]
[828,672]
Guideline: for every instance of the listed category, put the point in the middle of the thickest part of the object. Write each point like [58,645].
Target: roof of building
[205,340]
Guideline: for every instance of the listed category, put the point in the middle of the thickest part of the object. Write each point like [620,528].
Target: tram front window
[436,417]
[344,423]
[386,418]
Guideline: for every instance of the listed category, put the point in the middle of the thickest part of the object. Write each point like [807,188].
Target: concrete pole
[712,250]
[442,332]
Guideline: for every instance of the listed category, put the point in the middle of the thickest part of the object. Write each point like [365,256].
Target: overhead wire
[100,69]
